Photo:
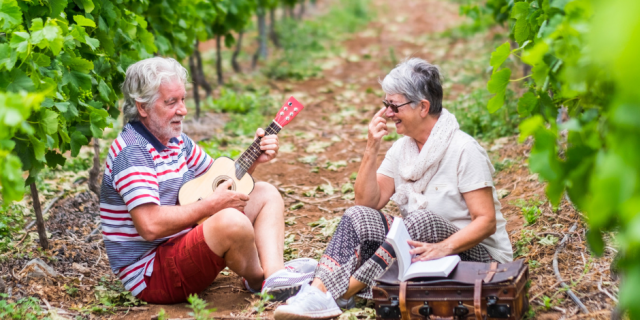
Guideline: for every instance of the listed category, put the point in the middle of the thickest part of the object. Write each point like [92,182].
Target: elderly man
[153,242]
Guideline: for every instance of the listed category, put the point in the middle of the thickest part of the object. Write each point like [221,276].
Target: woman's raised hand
[378,127]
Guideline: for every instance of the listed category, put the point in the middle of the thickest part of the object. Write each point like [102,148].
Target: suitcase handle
[477,291]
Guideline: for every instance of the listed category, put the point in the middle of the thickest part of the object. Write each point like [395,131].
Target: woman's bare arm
[483,224]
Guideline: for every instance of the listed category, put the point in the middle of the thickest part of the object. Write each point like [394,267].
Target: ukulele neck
[252,153]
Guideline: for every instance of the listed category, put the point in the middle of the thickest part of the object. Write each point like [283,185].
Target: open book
[397,237]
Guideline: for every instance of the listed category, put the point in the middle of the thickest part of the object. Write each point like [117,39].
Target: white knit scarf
[418,167]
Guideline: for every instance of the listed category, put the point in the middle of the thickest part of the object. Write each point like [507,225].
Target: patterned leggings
[358,248]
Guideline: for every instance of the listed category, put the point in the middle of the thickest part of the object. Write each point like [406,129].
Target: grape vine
[581,105]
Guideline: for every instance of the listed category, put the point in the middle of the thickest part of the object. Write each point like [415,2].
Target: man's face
[166,115]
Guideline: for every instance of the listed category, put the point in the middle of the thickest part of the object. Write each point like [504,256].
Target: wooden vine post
[42,232]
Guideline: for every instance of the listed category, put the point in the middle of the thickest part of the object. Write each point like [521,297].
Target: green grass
[25,308]
[305,42]
[11,221]
[474,118]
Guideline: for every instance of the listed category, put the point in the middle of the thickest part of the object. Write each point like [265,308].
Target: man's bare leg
[230,235]
[265,209]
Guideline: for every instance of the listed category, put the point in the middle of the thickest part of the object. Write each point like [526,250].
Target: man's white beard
[165,131]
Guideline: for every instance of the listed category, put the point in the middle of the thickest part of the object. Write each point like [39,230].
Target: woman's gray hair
[417,80]
[142,83]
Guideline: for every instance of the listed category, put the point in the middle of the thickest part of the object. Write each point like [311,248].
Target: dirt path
[323,146]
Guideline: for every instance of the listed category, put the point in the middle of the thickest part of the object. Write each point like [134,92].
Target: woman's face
[406,119]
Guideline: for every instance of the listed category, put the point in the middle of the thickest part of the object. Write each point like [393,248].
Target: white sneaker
[301,265]
[309,303]
[284,284]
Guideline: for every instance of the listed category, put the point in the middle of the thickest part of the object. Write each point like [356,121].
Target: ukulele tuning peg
[287,118]
[289,103]
[291,114]
[295,109]
[282,113]
[285,108]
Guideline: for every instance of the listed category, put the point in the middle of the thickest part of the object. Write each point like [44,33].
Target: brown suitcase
[472,290]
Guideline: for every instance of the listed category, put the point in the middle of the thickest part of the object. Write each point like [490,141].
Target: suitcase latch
[390,311]
[425,310]
[460,310]
[495,310]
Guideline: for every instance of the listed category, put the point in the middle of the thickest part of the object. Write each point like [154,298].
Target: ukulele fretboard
[252,153]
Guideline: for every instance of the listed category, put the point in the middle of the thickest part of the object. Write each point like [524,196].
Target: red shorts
[183,265]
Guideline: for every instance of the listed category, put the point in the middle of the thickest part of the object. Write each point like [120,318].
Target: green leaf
[77,79]
[56,7]
[10,15]
[88,5]
[62,106]
[500,55]
[17,81]
[529,126]
[522,30]
[527,103]
[520,10]
[49,121]
[499,81]
[91,42]
[20,41]
[534,55]
[84,22]
[104,91]
[11,179]
[8,57]
[77,140]
[54,159]
[38,148]
[540,73]
[496,102]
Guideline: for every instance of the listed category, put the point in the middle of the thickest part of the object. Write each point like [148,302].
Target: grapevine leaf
[41,59]
[88,5]
[522,30]
[520,10]
[527,103]
[77,140]
[77,79]
[529,126]
[596,244]
[17,80]
[91,42]
[8,57]
[38,148]
[49,121]
[20,41]
[104,90]
[62,106]
[500,55]
[36,32]
[499,81]
[534,55]
[11,178]
[54,159]
[539,73]
[84,22]
[496,102]
[10,15]
[56,7]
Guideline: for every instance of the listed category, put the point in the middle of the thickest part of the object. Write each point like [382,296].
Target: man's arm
[154,222]
[373,190]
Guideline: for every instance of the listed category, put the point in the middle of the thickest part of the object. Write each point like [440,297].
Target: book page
[432,268]
[398,236]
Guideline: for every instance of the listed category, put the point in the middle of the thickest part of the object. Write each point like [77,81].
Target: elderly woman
[439,176]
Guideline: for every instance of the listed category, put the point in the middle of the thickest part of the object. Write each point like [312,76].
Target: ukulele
[224,168]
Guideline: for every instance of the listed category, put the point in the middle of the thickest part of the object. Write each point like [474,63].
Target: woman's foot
[310,303]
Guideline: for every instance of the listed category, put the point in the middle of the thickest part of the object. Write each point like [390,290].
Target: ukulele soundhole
[220,180]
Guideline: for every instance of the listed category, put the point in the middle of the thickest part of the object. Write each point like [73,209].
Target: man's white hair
[142,83]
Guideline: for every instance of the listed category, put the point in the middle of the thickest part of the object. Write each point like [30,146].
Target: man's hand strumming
[223,198]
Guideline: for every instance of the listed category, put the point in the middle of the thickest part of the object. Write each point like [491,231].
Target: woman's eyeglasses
[394,107]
